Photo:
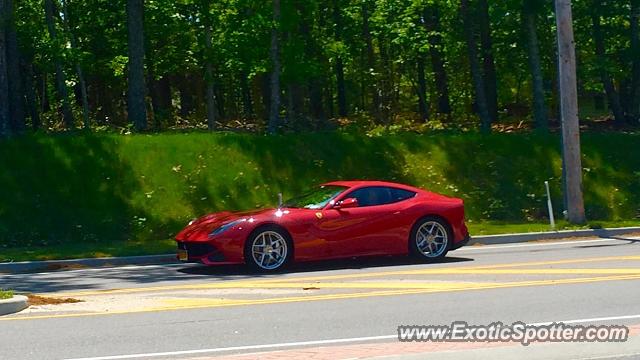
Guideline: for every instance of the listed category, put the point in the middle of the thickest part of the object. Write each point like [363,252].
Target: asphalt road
[183,311]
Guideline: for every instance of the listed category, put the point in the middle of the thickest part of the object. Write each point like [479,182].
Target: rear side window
[399,194]
[380,195]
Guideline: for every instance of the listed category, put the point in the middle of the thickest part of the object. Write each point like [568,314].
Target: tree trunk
[432,25]
[572,163]
[247,101]
[16,92]
[339,66]
[32,99]
[635,50]
[83,85]
[61,82]
[5,129]
[185,86]
[371,62]
[221,110]
[210,92]
[315,96]
[537,81]
[330,103]
[607,82]
[423,105]
[489,66]
[341,87]
[274,111]
[45,104]
[161,100]
[137,88]
[476,70]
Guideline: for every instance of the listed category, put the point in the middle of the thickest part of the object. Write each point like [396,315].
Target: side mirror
[346,204]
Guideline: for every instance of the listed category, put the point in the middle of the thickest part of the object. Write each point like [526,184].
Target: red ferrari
[339,219]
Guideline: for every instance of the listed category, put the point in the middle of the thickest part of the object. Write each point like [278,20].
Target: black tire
[263,235]
[419,245]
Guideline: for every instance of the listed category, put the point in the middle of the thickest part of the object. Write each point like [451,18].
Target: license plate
[183,255]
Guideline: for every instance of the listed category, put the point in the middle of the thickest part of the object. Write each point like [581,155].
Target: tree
[635,53]
[488,64]
[370,69]
[423,105]
[82,83]
[432,24]
[529,15]
[61,81]
[31,96]
[474,64]
[137,88]
[377,59]
[16,93]
[274,113]
[569,113]
[339,64]
[209,77]
[5,128]
[607,82]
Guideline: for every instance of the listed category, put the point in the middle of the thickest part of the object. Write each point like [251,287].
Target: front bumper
[200,252]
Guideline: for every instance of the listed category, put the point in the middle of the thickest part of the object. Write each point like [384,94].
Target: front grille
[196,249]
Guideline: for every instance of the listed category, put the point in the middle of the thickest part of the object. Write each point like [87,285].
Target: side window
[399,195]
[379,195]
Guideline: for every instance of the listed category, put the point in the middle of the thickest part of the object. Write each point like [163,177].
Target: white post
[279,200]
[552,220]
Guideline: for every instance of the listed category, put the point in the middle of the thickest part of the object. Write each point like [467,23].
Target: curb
[75,264]
[16,304]
[550,235]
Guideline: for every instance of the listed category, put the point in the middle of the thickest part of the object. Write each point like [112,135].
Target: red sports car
[339,219]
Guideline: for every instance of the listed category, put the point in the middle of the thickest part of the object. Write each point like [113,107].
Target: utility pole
[569,113]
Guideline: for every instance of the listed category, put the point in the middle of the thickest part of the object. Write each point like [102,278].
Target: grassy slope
[110,194]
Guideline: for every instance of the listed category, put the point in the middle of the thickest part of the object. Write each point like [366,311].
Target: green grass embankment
[102,194]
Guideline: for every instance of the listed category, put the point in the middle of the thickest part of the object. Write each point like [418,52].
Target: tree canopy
[376,62]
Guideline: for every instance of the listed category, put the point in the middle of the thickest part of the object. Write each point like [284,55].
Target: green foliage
[314,34]
[114,191]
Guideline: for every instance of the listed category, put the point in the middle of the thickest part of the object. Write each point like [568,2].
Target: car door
[369,229]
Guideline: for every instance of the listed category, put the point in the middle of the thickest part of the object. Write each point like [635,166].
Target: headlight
[226,227]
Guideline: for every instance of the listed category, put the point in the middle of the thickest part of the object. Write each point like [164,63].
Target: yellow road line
[582,271]
[227,303]
[430,271]
[439,285]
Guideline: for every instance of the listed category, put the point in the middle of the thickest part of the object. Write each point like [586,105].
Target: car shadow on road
[125,277]
[343,264]
[626,241]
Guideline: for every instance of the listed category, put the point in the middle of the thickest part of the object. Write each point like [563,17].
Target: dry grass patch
[36,300]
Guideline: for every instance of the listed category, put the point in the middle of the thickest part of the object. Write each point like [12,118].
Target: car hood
[202,227]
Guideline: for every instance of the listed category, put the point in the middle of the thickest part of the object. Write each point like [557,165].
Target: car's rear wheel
[268,249]
[430,238]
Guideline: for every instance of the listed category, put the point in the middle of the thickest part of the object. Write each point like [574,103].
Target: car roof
[363,183]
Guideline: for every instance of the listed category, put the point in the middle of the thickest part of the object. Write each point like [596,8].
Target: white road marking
[241,348]
[555,243]
[319,342]
[617,357]
[582,321]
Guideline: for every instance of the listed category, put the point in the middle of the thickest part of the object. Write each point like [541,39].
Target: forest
[307,65]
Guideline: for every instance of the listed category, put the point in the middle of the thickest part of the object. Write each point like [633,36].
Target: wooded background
[298,65]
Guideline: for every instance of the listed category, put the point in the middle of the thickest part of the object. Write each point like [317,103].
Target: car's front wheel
[430,238]
[268,249]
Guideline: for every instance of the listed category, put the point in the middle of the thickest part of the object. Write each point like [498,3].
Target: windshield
[316,199]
